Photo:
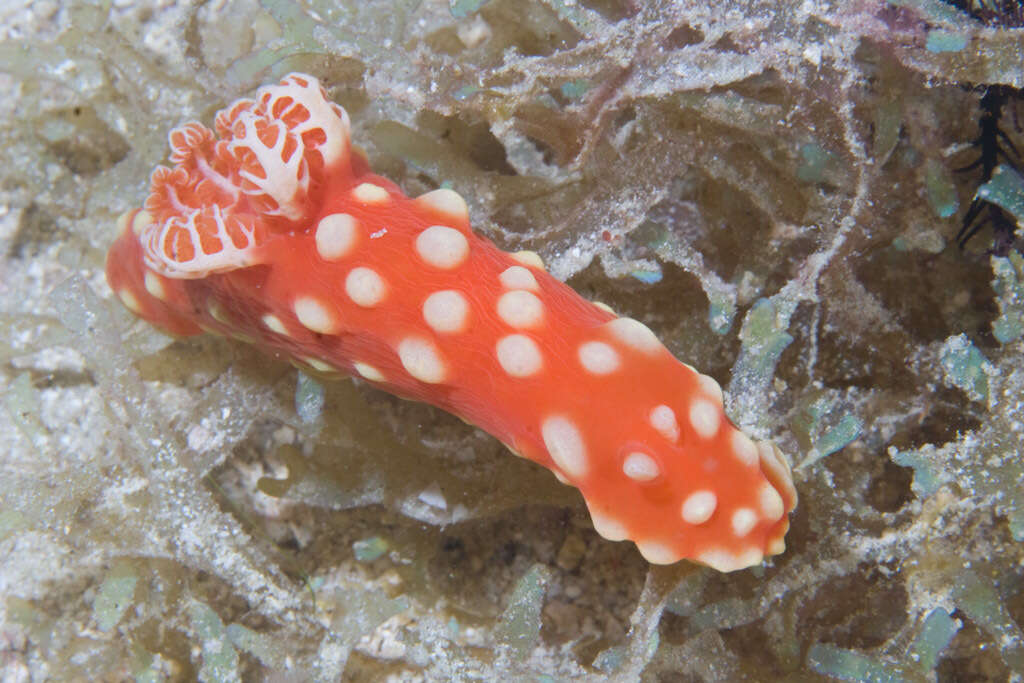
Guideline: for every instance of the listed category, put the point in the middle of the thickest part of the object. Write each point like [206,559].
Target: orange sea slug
[273,230]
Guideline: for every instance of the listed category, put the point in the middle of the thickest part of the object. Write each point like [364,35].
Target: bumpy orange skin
[343,273]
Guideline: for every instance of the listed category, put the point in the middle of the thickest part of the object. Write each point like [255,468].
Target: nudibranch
[274,230]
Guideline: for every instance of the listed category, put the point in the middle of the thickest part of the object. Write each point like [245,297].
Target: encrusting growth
[274,230]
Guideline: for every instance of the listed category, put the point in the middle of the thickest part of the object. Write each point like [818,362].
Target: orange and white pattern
[272,230]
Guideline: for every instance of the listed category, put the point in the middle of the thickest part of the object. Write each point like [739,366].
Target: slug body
[273,231]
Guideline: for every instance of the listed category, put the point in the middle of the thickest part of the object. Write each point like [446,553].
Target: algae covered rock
[771,187]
